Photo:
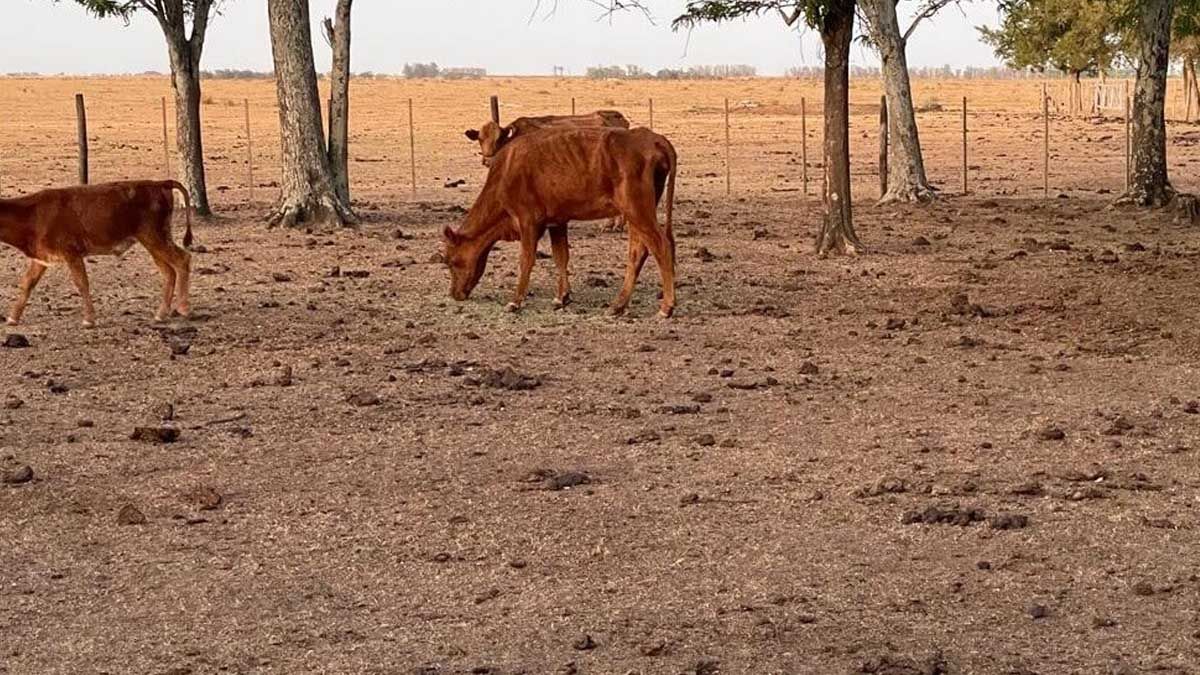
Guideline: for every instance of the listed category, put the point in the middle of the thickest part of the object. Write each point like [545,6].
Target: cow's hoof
[512,308]
[11,321]
[89,324]
[184,312]
[616,311]
[562,302]
[666,313]
[161,318]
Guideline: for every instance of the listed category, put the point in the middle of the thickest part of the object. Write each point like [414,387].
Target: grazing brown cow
[492,136]
[68,224]
[559,175]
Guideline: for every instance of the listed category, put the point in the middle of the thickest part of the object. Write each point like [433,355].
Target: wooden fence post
[412,141]
[883,146]
[81,124]
[651,114]
[249,150]
[1046,142]
[804,143]
[166,143]
[495,109]
[728,162]
[964,148]
[572,106]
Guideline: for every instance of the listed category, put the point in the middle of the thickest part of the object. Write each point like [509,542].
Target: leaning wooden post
[249,150]
[496,109]
[964,146]
[572,106]
[412,143]
[81,123]
[883,146]
[166,143]
[804,143]
[728,177]
[651,114]
[1046,142]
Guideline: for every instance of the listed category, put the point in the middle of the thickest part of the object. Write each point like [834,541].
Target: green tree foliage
[1074,36]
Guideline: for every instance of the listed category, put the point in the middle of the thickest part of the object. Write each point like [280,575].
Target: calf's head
[491,138]
[467,262]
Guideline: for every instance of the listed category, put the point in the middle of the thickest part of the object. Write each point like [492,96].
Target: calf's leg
[79,276]
[175,265]
[562,257]
[168,290]
[181,260]
[28,282]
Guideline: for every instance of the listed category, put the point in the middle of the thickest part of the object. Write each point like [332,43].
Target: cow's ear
[472,134]
[451,236]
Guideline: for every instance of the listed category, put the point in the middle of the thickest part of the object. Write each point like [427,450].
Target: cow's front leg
[28,282]
[79,276]
[562,258]
[529,240]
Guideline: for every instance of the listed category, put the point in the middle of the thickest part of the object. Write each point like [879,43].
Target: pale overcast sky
[42,36]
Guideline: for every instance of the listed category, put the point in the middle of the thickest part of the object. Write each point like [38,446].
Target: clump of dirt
[951,514]
[160,434]
[507,379]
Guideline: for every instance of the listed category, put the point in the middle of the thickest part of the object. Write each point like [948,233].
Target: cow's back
[93,219]
[571,172]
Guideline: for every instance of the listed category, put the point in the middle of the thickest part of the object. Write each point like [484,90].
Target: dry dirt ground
[972,450]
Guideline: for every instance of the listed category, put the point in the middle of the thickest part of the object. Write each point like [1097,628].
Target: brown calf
[492,136]
[559,175]
[68,224]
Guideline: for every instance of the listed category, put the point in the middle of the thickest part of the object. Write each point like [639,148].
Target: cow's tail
[187,210]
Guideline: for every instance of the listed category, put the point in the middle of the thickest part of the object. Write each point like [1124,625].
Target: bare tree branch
[926,11]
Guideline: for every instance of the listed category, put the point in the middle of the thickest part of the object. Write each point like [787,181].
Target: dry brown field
[974,449]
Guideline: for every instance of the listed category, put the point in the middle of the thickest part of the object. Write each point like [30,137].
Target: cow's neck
[486,223]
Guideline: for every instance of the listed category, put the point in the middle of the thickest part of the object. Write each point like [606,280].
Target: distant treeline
[432,70]
[691,73]
[941,72]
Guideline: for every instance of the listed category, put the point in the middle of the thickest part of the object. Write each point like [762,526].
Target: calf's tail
[187,210]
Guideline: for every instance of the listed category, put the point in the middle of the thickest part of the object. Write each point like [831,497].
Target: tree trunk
[185,80]
[184,53]
[907,181]
[837,230]
[1149,184]
[337,32]
[307,185]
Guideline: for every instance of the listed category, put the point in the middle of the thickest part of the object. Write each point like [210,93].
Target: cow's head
[491,138]
[466,262]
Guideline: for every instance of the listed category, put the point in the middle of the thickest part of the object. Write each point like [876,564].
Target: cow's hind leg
[168,285]
[663,249]
[29,281]
[80,277]
[529,240]
[633,267]
[175,265]
[181,260]
[562,257]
